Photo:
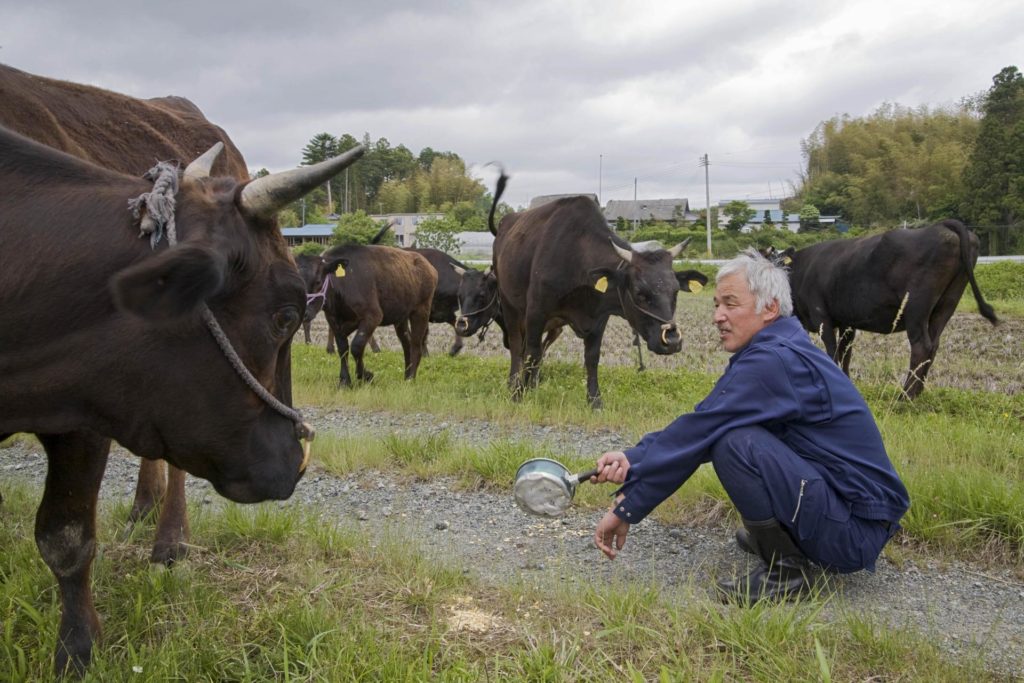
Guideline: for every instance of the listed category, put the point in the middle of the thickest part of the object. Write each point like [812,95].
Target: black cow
[560,264]
[900,280]
[445,305]
[177,347]
[479,306]
[370,286]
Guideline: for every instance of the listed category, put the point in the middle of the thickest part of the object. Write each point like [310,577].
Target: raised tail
[383,231]
[968,263]
[499,189]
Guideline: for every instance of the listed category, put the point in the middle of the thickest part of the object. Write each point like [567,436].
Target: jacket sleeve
[756,390]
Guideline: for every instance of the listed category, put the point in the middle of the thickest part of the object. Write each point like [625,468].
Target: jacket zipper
[803,482]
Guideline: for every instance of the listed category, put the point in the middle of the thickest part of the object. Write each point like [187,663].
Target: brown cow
[900,280]
[128,135]
[176,347]
[372,285]
[560,264]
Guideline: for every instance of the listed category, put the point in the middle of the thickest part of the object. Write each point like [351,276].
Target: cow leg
[344,379]
[534,349]
[419,324]
[66,537]
[591,359]
[456,345]
[172,530]
[359,341]
[844,348]
[514,336]
[331,334]
[149,489]
[306,325]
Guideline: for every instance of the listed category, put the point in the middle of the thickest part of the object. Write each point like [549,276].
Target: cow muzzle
[670,335]
[461,325]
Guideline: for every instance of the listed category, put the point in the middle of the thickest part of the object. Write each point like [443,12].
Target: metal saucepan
[545,487]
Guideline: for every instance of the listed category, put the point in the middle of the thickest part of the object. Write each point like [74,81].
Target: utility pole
[636,209]
[346,190]
[707,197]
[600,174]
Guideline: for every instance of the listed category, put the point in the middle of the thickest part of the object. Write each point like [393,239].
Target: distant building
[319,233]
[672,210]
[404,225]
[779,219]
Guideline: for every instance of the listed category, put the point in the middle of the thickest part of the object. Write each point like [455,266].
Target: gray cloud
[556,91]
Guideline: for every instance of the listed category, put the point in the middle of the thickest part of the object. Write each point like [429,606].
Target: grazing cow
[123,134]
[900,280]
[559,264]
[445,305]
[479,306]
[177,345]
[310,269]
[370,286]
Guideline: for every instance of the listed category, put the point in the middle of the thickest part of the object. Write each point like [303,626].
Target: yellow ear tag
[602,284]
[695,286]
[339,271]
[787,260]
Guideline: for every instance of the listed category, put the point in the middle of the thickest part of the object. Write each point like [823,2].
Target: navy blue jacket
[783,382]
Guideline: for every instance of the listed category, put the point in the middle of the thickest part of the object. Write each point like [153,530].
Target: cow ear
[170,285]
[458,270]
[336,266]
[602,279]
[691,280]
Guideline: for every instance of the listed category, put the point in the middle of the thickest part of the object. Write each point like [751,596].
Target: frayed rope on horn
[156,208]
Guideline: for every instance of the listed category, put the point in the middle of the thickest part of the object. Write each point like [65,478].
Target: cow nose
[670,334]
[461,324]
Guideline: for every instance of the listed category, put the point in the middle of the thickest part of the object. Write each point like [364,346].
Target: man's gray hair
[766,280]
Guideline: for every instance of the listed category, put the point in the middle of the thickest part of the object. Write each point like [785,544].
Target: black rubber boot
[786,573]
[744,542]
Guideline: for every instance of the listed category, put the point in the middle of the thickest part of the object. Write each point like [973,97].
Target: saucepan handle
[585,476]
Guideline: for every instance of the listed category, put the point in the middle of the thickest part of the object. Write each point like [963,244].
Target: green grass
[277,594]
[960,453]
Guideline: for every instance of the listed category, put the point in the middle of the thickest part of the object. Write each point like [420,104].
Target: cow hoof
[596,403]
[366,377]
[165,555]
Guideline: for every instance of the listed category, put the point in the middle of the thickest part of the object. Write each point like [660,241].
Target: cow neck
[159,210]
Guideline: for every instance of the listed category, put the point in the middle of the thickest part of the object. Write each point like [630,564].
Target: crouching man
[792,441]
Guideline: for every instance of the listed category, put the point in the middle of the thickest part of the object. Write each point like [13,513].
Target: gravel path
[967,610]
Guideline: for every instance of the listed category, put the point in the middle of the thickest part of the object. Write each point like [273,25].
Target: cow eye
[286,319]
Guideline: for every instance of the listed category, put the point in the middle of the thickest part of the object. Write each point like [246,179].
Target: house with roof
[403,225]
[320,233]
[670,210]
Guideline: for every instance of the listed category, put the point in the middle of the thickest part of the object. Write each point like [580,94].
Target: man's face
[735,315]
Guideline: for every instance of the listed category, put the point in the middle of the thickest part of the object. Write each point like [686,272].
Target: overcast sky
[580,96]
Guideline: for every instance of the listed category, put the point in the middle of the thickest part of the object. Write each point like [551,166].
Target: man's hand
[610,535]
[612,466]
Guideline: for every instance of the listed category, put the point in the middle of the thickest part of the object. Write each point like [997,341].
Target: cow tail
[499,190]
[965,257]
[383,231]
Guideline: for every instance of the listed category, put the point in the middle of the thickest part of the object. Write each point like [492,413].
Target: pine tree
[994,176]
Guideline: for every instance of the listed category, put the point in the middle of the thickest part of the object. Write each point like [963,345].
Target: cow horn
[267,195]
[625,254]
[678,249]
[200,167]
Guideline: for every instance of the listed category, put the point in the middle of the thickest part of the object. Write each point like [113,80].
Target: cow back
[393,280]
[109,129]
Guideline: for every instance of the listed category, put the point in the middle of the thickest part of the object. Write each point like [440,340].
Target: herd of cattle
[111,340]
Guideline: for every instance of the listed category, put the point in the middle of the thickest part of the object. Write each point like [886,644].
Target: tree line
[909,166]
[896,166]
